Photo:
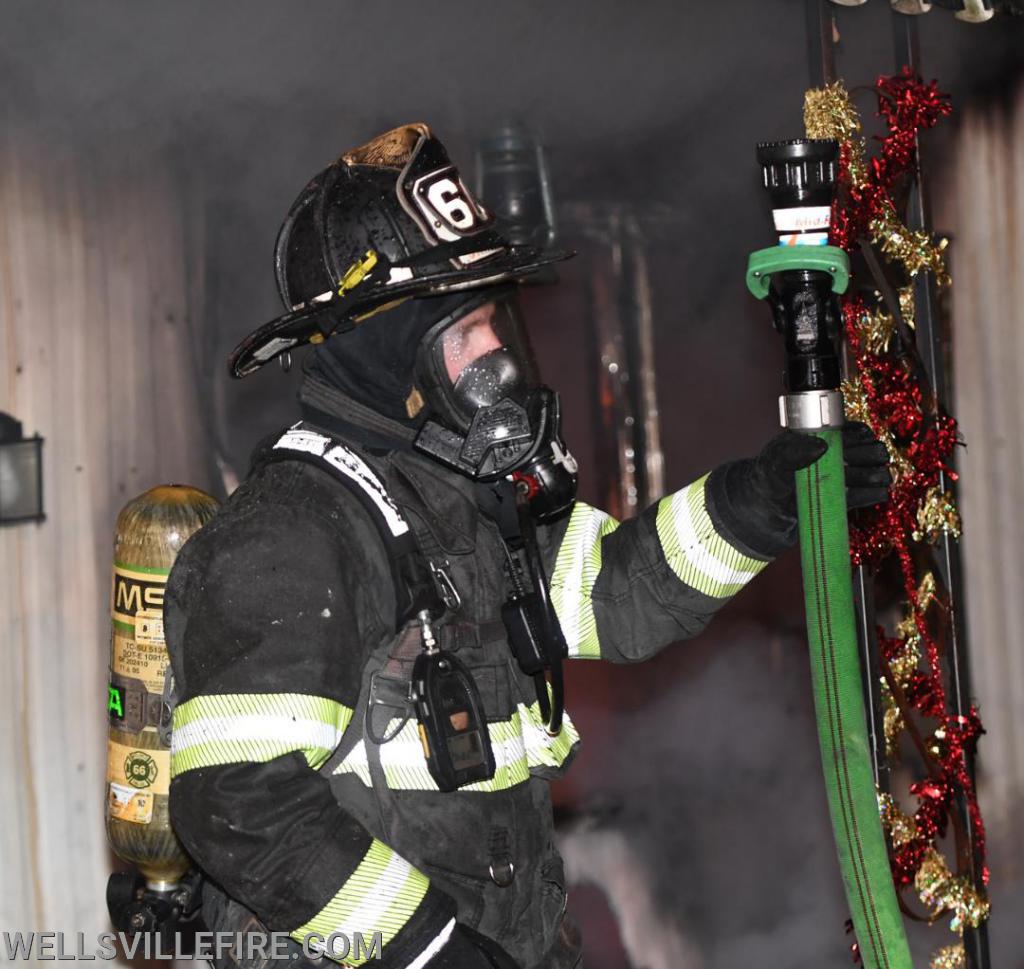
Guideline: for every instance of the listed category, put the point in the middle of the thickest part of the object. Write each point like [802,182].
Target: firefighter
[367,639]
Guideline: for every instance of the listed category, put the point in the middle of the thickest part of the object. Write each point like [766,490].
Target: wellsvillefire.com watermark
[79,947]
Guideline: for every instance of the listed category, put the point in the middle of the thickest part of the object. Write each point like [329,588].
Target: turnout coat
[299,782]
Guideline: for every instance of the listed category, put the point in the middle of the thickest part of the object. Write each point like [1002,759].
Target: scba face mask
[490,415]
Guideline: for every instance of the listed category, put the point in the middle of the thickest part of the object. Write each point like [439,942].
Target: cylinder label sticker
[135,777]
[137,608]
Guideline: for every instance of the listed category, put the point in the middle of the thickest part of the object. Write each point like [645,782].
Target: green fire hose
[801,282]
[839,705]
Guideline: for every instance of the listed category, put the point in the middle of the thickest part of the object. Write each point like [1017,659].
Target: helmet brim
[320,320]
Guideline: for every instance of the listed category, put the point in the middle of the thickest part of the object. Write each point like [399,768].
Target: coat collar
[443,500]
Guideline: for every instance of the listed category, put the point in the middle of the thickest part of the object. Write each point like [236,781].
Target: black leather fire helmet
[390,220]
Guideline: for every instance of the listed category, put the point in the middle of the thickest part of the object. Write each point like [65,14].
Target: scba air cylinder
[150,531]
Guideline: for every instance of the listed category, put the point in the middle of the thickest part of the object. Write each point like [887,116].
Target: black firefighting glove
[754,500]
[466,949]
[867,466]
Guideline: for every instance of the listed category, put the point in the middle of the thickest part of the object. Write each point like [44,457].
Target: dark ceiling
[653,105]
[634,98]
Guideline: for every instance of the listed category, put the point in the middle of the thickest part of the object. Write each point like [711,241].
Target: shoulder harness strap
[414,584]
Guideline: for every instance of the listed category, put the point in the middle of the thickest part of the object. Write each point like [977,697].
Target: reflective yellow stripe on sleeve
[379,896]
[519,744]
[697,554]
[576,568]
[236,728]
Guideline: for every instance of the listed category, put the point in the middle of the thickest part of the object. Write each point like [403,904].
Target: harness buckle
[444,584]
[168,700]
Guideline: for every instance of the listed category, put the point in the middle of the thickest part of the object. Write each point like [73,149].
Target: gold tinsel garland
[907,305]
[945,892]
[936,515]
[903,664]
[937,887]
[875,329]
[912,248]
[829,113]
[950,957]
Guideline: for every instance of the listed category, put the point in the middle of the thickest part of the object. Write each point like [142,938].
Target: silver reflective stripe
[436,944]
[519,744]
[696,552]
[577,566]
[255,727]
[381,895]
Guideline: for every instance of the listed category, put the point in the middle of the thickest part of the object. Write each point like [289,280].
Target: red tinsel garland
[894,398]
[908,105]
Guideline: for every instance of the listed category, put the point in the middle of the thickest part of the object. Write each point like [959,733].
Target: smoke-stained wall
[982,197]
[95,311]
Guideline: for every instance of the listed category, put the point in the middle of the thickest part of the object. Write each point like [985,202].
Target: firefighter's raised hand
[755,498]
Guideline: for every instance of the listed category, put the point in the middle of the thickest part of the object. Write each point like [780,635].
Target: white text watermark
[78,947]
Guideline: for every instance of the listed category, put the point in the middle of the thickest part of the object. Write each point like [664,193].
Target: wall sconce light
[21,474]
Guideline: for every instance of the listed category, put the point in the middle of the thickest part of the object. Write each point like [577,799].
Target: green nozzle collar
[828,259]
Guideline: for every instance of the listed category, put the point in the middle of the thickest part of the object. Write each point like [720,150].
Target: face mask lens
[484,357]
[468,339]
